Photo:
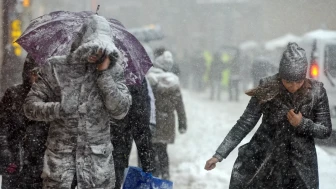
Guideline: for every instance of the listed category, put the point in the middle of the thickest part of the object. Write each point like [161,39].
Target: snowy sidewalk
[208,124]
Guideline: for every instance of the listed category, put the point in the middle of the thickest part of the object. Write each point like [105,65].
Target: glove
[182,127]
[113,58]
[11,168]
[182,130]
[5,157]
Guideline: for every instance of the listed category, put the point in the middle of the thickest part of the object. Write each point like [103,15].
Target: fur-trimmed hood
[272,88]
[165,61]
[161,80]
[94,35]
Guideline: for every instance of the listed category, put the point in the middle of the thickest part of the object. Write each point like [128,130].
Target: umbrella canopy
[52,35]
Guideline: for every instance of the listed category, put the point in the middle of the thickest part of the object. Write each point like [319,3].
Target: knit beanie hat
[293,64]
[164,61]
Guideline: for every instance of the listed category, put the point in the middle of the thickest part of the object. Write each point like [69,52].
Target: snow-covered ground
[208,123]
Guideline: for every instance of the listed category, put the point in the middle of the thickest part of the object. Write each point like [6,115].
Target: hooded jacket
[278,150]
[168,98]
[78,101]
[22,140]
[12,119]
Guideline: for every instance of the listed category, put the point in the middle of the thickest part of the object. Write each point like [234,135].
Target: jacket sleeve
[179,107]
[5,103]
[37,105]
[117,98]
[152,104]
[320,127]
[243,126]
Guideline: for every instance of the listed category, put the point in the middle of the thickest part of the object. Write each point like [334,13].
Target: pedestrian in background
[136,125]
[168,99]
[215,77]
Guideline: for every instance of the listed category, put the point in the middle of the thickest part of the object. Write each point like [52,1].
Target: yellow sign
[26,3]
[226,57]
[15,34]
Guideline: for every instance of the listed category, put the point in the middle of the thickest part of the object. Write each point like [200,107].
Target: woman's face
[95,57]
[292,86]
[33,75]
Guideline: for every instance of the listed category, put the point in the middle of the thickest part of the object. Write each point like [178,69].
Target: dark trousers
[20,182]
[215,89]
[234,90]
[122,143]
[161,161]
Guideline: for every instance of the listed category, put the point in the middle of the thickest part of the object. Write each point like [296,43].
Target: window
[331,60]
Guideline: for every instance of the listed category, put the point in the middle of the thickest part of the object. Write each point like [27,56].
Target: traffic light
[26,3]
[15,34]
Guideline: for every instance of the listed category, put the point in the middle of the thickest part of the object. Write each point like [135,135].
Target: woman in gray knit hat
[281,154]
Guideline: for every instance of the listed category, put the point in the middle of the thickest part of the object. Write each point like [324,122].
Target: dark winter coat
[79,101]
[168,98]
[134,126]
[13,124]
[12,119]
[136,123]
[277,148]
[22,140]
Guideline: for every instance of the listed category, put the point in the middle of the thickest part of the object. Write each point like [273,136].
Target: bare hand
[293,118]
[211,164]
[104,65]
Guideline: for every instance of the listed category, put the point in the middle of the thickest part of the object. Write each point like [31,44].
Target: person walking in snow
[136,125]
[215,77]
[282,153]
[79,94]
[22,140]
[168,98]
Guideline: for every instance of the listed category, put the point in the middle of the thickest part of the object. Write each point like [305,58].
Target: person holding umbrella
[281,154]
[78,94]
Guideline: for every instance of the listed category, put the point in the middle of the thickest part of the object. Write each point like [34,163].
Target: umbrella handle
[98,6]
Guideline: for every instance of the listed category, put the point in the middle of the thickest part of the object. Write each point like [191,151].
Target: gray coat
[79,102]
[279,153]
